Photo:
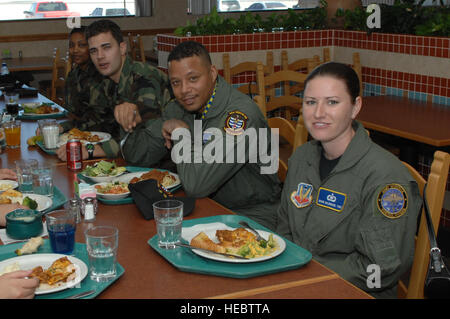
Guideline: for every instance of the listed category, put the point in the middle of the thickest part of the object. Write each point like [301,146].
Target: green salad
[103,168]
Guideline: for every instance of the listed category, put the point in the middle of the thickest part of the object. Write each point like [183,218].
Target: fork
[246,225]
[122,142]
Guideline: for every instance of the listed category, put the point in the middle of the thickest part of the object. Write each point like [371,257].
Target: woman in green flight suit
[352,204]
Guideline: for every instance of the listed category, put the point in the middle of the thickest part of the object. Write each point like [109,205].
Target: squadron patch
[392,201]
[235,123]
[302,197]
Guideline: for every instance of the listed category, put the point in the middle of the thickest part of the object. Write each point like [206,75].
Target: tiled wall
[423,73]
[416,67]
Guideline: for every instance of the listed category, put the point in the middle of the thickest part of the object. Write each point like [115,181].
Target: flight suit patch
[392,201]
[302,197]
[331,199]
[235,123]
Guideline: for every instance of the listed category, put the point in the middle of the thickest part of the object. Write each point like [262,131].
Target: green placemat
[31,116]
[58,199]
[46,150]
[7,251]
[184,259]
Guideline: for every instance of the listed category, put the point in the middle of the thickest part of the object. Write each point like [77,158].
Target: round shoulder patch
[235,123]
[392,201]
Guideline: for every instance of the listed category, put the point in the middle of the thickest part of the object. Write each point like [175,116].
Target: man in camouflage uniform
[129,93]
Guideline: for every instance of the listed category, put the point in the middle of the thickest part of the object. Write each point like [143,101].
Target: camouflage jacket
[141,84]
[77,96]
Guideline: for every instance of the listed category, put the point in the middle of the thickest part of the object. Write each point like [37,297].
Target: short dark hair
[188,49]
[81,30]
[102,26]
[339,71]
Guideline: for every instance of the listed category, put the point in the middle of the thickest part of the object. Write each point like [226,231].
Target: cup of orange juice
[12,133]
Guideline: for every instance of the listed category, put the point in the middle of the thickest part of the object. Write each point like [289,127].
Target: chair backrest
[286,100]
[326,55]
[358,69]
[247,69]
[286,131]
[136,49]
[436,183]
[305,65]
[58,78]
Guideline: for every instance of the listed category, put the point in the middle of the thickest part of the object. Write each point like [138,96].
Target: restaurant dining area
[206,152]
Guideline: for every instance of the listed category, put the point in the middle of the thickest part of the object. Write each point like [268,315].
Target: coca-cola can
[74,157]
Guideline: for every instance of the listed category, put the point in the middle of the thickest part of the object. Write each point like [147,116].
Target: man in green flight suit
[130,92]
[210,114]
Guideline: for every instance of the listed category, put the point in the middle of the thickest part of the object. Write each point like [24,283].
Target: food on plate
[12,196]
[163,178]
[10,268]
[112,188]
[103,168]
[4,187]
[82,135]
[238,242]
[203,241]
[44,108]
[31,246]
[34,139]
[60,271]
[31,203]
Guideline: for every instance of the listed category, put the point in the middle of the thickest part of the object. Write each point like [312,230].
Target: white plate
[29,262]
[102,179]
[43,201]
[103,138]
[210,230]
[35,105]
[126,178]
[110,196]
[6,184]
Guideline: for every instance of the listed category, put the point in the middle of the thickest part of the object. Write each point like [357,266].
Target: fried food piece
[203,241]
[38,272]
[87,136]
[59,271]
[163,178]
[234,238]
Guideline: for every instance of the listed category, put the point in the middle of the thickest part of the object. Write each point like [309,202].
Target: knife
[210,251]
[81,294]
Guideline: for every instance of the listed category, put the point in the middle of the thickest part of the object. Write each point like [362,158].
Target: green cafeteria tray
[7,251]
[184,259]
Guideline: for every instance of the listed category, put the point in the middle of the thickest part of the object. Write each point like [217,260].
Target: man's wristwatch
[90,150]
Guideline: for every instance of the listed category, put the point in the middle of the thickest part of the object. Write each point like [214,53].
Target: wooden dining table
[415,120]
[40,63]
[147,274]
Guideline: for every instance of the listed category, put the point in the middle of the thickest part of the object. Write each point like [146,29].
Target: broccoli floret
[31,203]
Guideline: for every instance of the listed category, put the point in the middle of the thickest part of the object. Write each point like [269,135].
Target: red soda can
[74,158]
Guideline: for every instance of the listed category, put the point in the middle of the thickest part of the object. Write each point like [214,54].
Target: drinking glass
[101,245]
[50,132]
[24,171]
[43,180]
[168,216]
[12,133]
[12,103]
[61,226]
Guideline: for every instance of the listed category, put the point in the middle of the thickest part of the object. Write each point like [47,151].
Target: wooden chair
[326,55]
[246,67]
[357,67]
[58,78]
[437,180]
[136,48]
[290,138]
[286,99]
[305,65]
